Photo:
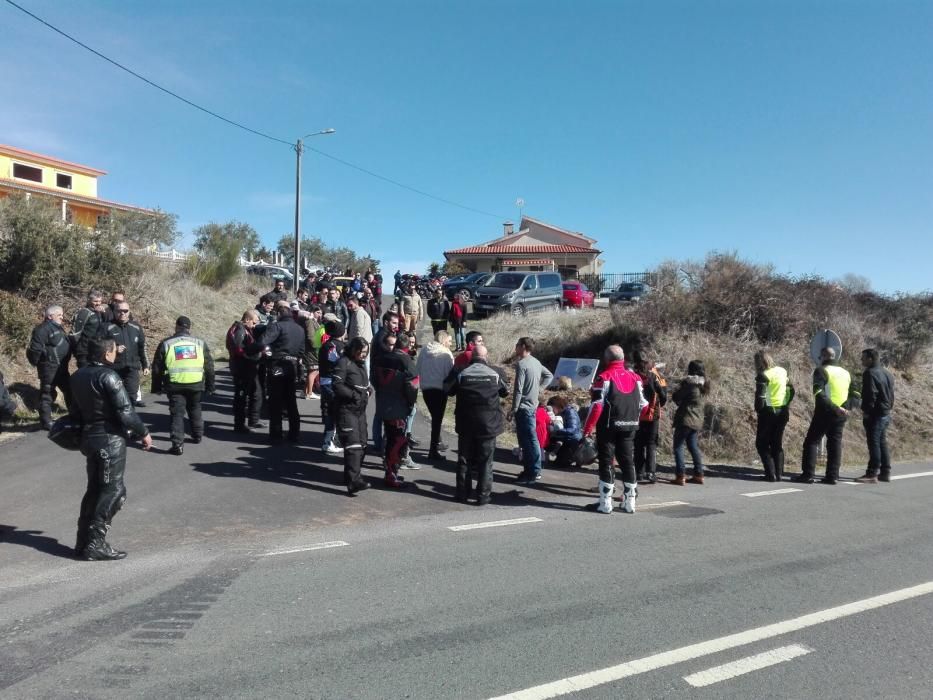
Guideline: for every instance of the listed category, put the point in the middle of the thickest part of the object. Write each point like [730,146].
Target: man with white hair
[614,413]
[49,352]
[478,417]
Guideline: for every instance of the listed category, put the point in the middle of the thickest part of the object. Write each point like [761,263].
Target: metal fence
[603,284]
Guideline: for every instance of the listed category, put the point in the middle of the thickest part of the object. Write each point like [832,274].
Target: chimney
[507,228]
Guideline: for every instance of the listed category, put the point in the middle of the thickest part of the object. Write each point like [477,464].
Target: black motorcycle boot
[97,548]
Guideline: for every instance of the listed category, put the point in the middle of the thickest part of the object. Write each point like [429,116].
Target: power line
[242,126]
[404,186]
[145,79]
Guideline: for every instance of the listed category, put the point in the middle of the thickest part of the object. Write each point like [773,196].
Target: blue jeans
[528,441]
[411,419]
[684,434]
[876,431]
[377,430]
[459,338]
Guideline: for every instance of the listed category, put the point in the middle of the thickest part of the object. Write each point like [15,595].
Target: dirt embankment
[156,297]
[729,434]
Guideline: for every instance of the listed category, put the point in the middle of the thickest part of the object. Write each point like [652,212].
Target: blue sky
[797,133]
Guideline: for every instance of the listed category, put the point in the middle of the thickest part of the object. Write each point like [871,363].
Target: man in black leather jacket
[351,394]
[106,414]
[131,349]
[86,325]
[284,343]
[49,352]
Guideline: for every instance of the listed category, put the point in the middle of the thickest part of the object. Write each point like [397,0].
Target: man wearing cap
[184,369]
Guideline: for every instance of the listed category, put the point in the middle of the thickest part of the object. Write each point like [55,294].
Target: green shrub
[44,258]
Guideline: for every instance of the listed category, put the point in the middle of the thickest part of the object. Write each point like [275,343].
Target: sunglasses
[123,311]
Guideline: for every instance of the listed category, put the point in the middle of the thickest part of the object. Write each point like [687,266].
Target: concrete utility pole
[299,149]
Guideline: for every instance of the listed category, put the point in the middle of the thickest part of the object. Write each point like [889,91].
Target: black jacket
[101,403]
[49,346]
[351,386]
[278,296]
[131,335]
[438,310]
[396,382]
[329,356]
[7,407]
[285,338]
[877,392]
[339,309]
[160,380]
[478,388]
[87,325]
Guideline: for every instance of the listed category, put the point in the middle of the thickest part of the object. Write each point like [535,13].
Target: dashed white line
[848,483]
[910,476]
[717,674]
[664,659]
[775,492]
[308,548]
[665,504]
[494,523]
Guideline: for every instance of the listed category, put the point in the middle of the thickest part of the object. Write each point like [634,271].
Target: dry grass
[729,435]
[157,297]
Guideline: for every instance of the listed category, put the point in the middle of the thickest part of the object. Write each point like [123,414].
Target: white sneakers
[605,498]
[409,463]
[629,494]
[331,449]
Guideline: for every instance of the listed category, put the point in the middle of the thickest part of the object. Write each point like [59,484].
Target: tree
[316,252]
[219,249]
[453,267]
[855,284]
[212,239]
[141,230]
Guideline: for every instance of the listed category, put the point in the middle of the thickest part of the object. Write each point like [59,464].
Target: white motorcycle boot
[629,494]
[605,497]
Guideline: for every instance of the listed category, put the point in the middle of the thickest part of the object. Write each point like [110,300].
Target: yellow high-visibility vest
[184,360]
[777,387]
[838,381]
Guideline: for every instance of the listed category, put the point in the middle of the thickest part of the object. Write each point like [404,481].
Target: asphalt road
[251,574]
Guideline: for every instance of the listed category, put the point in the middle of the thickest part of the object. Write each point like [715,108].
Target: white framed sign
[580,370]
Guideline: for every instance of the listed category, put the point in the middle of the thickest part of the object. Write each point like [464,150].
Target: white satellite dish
[825,339]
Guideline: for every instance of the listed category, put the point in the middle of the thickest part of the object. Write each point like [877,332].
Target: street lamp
[299,149]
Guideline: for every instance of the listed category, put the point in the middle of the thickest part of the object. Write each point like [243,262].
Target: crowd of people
[333,343]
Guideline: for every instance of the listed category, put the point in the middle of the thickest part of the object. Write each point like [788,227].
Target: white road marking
[665,504]
[494,523]
[308,548]
[910,476]
[848,483]
[718,674]
[664,659]
[775,492]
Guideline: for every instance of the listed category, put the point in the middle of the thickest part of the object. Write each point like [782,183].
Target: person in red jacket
[463,360]
[617,404]
[457,320]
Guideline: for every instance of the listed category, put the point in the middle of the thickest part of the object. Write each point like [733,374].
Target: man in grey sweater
[530,376]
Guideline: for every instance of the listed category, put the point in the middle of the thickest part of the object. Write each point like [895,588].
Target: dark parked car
[465,285]
[577,295]
[628,292]
[518,293]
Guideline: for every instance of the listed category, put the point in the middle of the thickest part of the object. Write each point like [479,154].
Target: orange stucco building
[72,184]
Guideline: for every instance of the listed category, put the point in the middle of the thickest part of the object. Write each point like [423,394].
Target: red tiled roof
[49,160]
[71,196]
[521,250]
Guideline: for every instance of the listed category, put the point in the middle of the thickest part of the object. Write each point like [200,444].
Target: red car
[576,295]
